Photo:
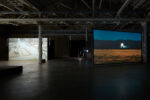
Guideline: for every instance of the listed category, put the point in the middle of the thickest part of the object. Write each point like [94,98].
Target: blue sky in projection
[116,35]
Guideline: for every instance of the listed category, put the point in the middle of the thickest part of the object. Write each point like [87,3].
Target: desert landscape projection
[116,47]
[26,48]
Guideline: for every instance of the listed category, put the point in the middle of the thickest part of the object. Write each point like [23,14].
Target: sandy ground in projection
[116,55]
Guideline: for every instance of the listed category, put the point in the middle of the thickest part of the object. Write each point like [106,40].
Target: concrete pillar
[86,42]
[86,38]
[40,43]
[86,34]
[144,41]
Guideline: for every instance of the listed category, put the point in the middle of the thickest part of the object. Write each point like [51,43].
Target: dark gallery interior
[74,49]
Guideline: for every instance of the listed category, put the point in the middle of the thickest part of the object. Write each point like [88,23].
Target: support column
[144,41]
[86,34]
[86,42]
[40,43]
[86,38]
[93,8]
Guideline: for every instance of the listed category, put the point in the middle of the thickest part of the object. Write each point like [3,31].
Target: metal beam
[25,2]
[7,7]
[63,12]
[62,4]
[86,4]
[50,32]
[93,8]
[100,3]
[139,4]
[70,19]
[123,7]
[18,8]
[135,2]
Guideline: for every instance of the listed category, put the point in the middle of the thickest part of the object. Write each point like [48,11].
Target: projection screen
[26,48]
[116,47]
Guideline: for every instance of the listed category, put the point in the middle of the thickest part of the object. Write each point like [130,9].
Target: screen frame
[118,31]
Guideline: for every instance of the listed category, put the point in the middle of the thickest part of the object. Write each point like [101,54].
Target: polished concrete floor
[76,80]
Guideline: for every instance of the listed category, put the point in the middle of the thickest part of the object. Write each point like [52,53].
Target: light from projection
[122,45]
[26,48]
[116,47]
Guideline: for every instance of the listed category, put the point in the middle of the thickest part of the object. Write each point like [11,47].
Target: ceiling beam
[123,7]
[93,8]
[18,8]
[18,12]
[100,3]
[139,4]
[85,3]
[27,3]
[7,7]
[62,4]
[135,2]
[53,32]
[35,20]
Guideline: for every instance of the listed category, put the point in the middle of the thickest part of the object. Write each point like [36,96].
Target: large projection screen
[26,48]
[116,47]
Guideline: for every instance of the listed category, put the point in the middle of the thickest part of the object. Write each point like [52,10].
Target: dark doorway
[51,49]
[76,46]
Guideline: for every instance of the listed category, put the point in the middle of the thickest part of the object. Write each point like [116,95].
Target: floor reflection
[72,80]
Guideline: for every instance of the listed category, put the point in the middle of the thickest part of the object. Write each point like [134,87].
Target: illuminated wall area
[116,47]
[26,48]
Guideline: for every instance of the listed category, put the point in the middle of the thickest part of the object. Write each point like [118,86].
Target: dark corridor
[76,46]
[51,49]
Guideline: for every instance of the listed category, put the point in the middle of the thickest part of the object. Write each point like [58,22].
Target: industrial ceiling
[75,12]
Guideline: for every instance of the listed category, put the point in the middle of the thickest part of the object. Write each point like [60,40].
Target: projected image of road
[116,47]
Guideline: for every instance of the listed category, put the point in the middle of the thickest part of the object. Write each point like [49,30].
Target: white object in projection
[26,48]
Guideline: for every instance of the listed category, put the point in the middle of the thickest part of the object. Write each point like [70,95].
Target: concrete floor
[76,80]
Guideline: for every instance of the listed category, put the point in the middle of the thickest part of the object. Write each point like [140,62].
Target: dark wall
[61,46]
[51,49]
[3,48]
[5,31]
[89,45]
[4,34]
[75,47]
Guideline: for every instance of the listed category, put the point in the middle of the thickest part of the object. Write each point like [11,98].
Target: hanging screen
[116,47]
[26,48]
